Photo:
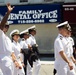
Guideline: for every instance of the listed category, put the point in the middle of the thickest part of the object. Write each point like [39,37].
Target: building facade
[3,2]
[45,14]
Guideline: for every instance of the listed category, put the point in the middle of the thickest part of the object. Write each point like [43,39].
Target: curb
[47,62]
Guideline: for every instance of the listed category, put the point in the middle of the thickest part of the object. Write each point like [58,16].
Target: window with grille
[23,0]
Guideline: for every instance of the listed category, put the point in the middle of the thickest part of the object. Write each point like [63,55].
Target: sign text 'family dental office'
[33,14]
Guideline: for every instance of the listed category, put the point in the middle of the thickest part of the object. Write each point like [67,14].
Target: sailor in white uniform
[6,51]
[72,46]
[62,47]
[32,43]
[17,49]
[25,47]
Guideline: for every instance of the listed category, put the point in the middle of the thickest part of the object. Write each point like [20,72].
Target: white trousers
[1,72]
[6,65]
[18,71]
[65,70]
[74,66]
[35,69]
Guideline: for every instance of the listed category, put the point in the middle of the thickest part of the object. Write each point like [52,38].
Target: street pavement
[46,68]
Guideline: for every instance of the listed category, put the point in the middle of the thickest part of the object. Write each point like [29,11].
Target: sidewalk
[46,68]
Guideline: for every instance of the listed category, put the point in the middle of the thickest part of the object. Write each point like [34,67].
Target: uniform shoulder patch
[23,39]
[61,37]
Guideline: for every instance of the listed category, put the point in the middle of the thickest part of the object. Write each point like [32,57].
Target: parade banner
[33,14]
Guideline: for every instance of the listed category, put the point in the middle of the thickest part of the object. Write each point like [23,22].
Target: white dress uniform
[37,64]
[62,43]
[72,44]
[24,44]
[6,63]
[17,48]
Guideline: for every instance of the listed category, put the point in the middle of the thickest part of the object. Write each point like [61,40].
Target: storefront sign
[31,14]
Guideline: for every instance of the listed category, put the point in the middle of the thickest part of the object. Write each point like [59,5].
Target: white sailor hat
[32,27]
[16,31]
[24,32]
[65,25]
[8,22]
[62,24]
